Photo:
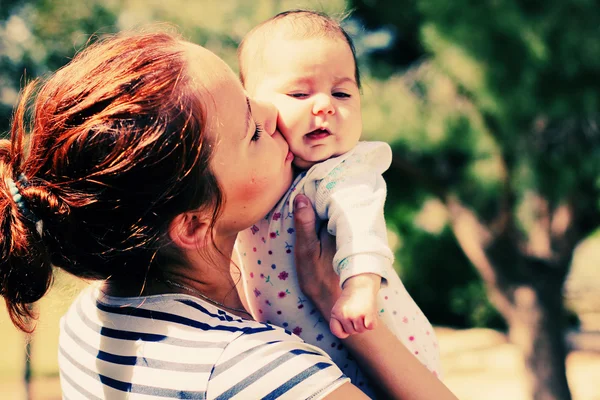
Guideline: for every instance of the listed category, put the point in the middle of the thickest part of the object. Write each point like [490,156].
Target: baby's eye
[342,95]
[298,95]
[257,133]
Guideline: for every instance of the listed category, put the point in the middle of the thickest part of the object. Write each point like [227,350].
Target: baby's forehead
[274,37]
[303,28]
[276,45]
[288,30]
[292,54]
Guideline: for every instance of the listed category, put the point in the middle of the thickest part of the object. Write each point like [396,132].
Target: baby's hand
[356,309]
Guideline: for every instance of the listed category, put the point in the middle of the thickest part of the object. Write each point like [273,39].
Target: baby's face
[312,84]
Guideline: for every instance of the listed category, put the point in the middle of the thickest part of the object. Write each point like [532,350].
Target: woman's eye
[298,95]
[342,95]
[257,132]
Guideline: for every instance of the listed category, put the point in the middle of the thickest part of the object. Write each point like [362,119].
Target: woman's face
[251,160]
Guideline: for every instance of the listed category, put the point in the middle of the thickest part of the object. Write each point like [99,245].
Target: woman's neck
[207,272]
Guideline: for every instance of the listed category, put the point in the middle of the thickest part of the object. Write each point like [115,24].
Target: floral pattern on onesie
[266,252]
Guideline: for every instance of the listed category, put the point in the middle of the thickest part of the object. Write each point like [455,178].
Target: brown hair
[301,24]
[117,149]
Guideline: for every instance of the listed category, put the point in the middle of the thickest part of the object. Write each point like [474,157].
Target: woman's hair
[293,24]
[117,149]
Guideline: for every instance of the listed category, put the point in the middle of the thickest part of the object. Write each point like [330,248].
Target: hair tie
[21,204]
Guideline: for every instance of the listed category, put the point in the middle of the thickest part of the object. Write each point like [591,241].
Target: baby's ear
[190,230]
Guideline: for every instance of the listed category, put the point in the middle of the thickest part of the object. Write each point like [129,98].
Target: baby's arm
[351,196]
[356,309]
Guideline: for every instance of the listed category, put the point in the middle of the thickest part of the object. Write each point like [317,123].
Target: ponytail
[25,268]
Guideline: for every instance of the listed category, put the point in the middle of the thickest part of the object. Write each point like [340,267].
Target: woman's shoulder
[173,316]
[180,343]
[273,363]
[184,314]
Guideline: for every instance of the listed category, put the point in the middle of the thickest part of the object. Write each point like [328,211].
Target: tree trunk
[537,328]
[527,291]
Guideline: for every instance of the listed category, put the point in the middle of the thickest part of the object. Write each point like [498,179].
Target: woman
[145,160]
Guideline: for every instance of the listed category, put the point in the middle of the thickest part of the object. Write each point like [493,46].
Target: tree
[498,122]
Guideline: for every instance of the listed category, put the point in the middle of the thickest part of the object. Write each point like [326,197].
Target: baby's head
[304,63]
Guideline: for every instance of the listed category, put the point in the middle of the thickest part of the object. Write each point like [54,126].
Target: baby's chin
[304,164]
[315,158]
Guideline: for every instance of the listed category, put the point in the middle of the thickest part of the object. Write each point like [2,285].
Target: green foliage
[533,72]
[473,96]
[481,99]
[471,301]
[431,264]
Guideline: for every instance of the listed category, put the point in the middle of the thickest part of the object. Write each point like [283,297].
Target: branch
[539,238]
[471,234]
[504,224]
[474,238]
[563,235]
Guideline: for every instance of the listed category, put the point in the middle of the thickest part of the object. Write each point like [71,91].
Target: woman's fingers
[327,246]
[308,245]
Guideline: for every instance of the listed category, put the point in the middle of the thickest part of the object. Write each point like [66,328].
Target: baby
[304,63]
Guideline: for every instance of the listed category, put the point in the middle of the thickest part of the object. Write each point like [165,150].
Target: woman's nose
[266,114]
[323,104]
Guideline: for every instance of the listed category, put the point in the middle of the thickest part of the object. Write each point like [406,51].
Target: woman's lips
[317,134]
[290,156]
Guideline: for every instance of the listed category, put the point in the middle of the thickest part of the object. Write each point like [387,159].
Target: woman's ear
[189,231]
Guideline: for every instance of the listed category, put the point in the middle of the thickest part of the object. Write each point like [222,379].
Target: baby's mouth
[318,134]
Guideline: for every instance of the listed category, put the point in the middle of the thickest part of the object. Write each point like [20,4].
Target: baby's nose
[323,104]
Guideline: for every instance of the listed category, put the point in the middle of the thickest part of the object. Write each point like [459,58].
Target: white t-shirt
[178,346]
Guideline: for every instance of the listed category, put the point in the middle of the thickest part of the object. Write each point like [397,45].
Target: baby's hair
[118,148]
[296,24]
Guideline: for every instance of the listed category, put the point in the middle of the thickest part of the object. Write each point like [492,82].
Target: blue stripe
[302,376]
[260,373]
[85,394]
[133,360]
[222,315]
[234,360]
[177,319]
[131,388]
[146,337]
[231,362]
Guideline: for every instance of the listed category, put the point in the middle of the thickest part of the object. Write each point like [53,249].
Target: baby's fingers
[360,324]
[370,321]
[337,329]
[348,325]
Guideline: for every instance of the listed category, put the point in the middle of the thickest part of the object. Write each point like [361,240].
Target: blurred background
[491,108]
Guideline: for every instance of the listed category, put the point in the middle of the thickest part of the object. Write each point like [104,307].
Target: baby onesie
[348,192]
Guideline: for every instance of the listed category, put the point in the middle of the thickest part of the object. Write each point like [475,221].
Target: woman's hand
[314,258]
[380,354]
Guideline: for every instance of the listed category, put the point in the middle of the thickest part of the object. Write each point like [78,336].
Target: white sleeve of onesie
[351,196]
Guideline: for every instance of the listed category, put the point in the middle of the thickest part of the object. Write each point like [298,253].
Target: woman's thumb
[304,218]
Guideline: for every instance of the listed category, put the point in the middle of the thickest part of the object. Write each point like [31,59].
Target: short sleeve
[273,365]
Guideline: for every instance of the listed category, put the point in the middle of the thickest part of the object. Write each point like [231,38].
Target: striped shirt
[178,346]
